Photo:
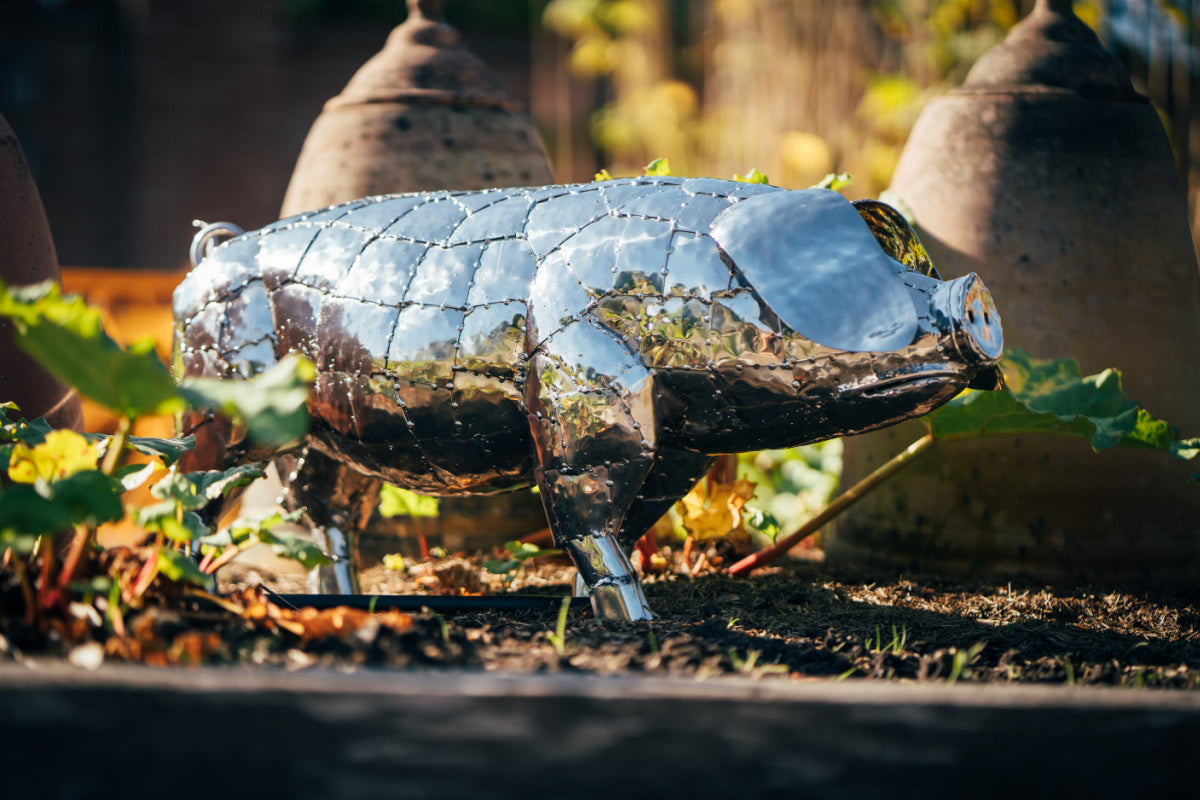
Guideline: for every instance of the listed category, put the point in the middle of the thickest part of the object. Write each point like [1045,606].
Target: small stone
[89,656]
[298,659]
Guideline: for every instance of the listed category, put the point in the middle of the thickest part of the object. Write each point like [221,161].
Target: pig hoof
[621,601]
[341,575]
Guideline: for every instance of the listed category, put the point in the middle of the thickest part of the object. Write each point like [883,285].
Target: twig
[647,546]
[117,618]
[231,607]
[213,565]
[840,504]
[83,535]
[145,576]
[116,447]
[541,538]
[26,591]
[47,592]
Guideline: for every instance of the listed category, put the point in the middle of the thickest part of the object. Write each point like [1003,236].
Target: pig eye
[896,236]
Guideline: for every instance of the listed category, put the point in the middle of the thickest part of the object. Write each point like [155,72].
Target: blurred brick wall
[141,115]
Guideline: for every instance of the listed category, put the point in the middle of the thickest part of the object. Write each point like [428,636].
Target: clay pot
[1049,176]
[422,114]
[27,256]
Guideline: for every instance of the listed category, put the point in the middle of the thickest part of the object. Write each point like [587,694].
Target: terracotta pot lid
[424,60]
[1051,52]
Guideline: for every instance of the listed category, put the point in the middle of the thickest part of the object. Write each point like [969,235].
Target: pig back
[415,310]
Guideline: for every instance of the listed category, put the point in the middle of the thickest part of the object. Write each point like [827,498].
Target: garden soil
[799,621]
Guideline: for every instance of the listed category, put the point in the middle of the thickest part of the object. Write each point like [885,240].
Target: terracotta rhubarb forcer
[1050,177]
[422,114]
[27,256]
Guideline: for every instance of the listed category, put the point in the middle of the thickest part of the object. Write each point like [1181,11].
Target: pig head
[603,340]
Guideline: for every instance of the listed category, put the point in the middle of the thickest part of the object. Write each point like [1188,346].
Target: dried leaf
[713,511]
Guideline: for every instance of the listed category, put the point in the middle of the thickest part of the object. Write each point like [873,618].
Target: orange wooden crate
[135,305]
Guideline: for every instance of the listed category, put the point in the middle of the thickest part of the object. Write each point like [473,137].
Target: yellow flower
[61,455]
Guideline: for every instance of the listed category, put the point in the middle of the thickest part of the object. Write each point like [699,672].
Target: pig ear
[896,236]
[811,258]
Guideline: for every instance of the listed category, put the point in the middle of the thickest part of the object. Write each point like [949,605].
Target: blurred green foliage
[63,484]
[794,484]
[801,89]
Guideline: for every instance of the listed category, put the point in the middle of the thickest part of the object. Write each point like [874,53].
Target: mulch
[798,621]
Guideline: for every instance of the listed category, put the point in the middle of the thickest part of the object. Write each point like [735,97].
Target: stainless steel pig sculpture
[604,340]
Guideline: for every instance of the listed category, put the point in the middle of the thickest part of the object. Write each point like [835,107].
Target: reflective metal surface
[340,577]
[605,340]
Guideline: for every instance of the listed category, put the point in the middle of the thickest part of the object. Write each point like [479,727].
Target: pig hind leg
[337,501]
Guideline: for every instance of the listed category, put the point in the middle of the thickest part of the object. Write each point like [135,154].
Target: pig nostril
[971,315]
[987,320]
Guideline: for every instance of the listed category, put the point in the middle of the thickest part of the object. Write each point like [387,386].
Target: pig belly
[468,437]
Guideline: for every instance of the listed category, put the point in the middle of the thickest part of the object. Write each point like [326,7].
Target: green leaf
[1186,449]
[89,498]
[132,476]
[1050,396]
[147,516]
[501,567]
[272,404]
[28,433]
[66,336]
[244,533]
[523,551]
[25,515]
[520,552]
[92,585]
[260,528]
[753,176]
[762,521]
[31,433]
[31,510]
[195,490]
[659,166]
[218,539]
[22,544]
[169,450]
[834,181]
[188,529]
[397,502]
[297,548]
[897,202]
[178,566]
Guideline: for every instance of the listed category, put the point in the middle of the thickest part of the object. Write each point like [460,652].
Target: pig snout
[963,308]
[965,312]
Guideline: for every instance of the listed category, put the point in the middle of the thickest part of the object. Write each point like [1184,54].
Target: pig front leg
[591,413]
